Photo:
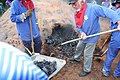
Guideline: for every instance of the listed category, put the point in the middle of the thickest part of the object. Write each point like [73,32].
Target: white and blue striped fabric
[17,65]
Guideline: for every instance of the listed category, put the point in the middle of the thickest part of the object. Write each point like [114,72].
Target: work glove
[28,13]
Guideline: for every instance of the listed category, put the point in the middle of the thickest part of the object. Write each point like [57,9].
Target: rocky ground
[49,13]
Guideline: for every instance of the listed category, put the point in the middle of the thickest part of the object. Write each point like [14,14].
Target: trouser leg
[117,70]
[37,45]
[27,44]
[79,50]
[111,54]
[88,56]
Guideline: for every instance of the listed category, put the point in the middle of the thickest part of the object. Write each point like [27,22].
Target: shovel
[32,54]
[109,31]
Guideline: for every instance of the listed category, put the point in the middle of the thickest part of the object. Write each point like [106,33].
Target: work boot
[83,73]
[105,73]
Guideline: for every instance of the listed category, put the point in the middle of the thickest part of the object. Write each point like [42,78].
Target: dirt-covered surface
[72,69]
[56,23]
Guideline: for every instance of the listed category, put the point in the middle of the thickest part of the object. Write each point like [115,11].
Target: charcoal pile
[59,35]
[47,66]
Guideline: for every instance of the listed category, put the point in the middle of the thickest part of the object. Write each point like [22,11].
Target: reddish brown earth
[50,12]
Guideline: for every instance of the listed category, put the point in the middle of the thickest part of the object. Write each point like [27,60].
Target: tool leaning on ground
[31,34]
[109,31]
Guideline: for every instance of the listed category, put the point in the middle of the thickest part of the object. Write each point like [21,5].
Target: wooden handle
[90,36]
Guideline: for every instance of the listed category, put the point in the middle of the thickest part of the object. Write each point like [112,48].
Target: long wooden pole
[90,36]
[31,33]
[32,43]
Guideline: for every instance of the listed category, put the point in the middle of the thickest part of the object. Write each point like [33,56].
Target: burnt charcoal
[61,34]
[50,41]
[47,66]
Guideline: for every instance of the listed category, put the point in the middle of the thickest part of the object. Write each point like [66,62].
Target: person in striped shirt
[16,65]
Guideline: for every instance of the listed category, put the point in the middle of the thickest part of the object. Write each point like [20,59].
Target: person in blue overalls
[87,23]
[22,12]
[113,47]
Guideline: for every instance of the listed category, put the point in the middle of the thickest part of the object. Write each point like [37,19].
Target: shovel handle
[109,31]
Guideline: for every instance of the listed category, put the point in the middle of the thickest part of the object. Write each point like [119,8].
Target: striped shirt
[16,65]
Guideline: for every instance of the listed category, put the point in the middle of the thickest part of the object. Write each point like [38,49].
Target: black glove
[28,13]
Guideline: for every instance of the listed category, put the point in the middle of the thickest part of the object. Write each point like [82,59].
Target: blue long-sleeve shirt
[23,27]
[116,35]
[91,20]
[16,65]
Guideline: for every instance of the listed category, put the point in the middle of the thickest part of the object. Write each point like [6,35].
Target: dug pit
[60,34]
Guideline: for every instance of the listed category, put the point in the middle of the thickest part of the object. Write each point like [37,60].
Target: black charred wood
[61,34]
[47,66]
